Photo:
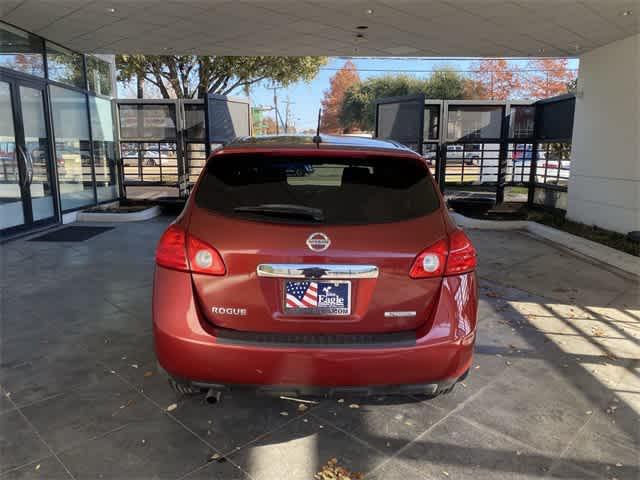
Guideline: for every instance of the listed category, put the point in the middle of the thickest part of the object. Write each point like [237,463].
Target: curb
[595,251]
[145,214]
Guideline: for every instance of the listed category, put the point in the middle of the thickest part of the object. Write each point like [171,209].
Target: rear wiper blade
[284,209]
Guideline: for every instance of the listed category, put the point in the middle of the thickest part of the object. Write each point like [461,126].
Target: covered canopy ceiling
[446,28]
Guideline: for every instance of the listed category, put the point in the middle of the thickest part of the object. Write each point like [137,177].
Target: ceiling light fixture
[362,27]
[626,13]
[369,11]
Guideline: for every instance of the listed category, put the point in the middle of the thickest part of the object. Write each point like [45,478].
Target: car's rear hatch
[375,220]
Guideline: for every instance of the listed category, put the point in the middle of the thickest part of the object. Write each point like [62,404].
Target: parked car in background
[547,170]
[352,278]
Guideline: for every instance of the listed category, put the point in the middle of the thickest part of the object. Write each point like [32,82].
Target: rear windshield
[331,190]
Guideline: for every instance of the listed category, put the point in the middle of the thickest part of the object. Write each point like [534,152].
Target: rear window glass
[331,190]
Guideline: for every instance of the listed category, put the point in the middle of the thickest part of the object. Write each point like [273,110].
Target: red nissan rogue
[307,265]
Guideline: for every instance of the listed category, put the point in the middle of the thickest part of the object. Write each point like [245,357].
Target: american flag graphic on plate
[318,297]
[302,294]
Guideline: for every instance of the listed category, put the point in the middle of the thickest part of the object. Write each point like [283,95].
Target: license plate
[311,297]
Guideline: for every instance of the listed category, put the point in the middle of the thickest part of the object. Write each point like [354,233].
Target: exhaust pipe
[213,396]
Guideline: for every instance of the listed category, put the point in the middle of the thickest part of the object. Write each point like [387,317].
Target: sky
[306,97]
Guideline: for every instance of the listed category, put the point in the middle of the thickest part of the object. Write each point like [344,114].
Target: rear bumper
[190,352]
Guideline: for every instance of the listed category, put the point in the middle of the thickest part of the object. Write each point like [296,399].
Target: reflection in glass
[104,149]
[37,152]
[65,66]
[474,122]
[147,122]
[11,211]
[71,128]
[194,122]
[521,121]
[20,51]
[431,122]
[99,76]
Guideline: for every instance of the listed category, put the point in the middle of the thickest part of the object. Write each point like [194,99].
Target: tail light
[445,257]
[178,250]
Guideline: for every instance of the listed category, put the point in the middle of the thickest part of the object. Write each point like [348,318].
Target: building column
[604,186]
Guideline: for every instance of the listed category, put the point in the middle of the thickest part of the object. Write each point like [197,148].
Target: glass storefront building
[57,136]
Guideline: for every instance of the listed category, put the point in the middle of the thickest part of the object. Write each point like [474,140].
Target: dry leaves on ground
[333,471]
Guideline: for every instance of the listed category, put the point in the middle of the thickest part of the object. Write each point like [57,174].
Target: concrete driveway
[554,393]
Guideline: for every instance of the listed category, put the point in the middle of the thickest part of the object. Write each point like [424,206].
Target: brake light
[462,254]
[431,262]
[179,251]
[203,258]
[171,252]
[445,257]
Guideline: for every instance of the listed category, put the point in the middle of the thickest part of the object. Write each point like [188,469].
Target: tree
[344,78]
[445,84]
[496,78]
[475,90]
[268,126]
[359,100]
[190,76]
[549,77]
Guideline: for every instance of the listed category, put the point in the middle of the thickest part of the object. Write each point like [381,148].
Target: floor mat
[71,234]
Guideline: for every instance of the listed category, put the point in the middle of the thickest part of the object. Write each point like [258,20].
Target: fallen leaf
[333,471]
[302,407]
[284,414]
[37,467]
[148,374]
[172,407]
[354,405]
[341,400]
[518,452]
[214,457]
[445,473]
[134,365]
[589,412]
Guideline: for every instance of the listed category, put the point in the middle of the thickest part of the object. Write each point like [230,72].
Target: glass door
[26,180]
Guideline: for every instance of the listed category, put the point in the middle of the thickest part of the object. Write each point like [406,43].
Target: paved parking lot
[554,392]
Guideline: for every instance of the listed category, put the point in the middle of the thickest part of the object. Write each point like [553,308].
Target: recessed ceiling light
[369,11]
[362,27]
[111,10]
[626,13]
[360,37]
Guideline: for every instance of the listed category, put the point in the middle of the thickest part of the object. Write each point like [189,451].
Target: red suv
[315,265]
